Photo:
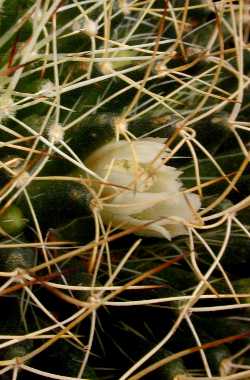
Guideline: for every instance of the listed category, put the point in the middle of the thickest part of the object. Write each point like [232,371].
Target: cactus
[124,199]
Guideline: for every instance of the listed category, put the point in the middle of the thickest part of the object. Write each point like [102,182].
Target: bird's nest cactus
[124,216]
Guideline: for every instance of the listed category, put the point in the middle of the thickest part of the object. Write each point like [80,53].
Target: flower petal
[119,178]
[148,151]
[142,151]
[176,205]
[151,230]
[166,180]
[129,202]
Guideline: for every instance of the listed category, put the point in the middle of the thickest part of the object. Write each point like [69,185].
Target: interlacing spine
[124,197]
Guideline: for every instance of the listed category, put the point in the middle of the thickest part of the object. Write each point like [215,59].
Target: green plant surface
[124,189]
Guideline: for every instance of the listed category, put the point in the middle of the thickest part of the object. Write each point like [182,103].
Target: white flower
[141,189]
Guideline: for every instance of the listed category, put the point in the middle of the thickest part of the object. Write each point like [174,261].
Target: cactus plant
[124,214]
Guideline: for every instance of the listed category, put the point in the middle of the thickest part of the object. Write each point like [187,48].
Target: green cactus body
[124,188]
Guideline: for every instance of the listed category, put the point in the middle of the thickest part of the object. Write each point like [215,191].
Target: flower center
[143,175]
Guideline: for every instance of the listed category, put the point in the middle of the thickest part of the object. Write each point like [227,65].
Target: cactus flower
[140,190]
